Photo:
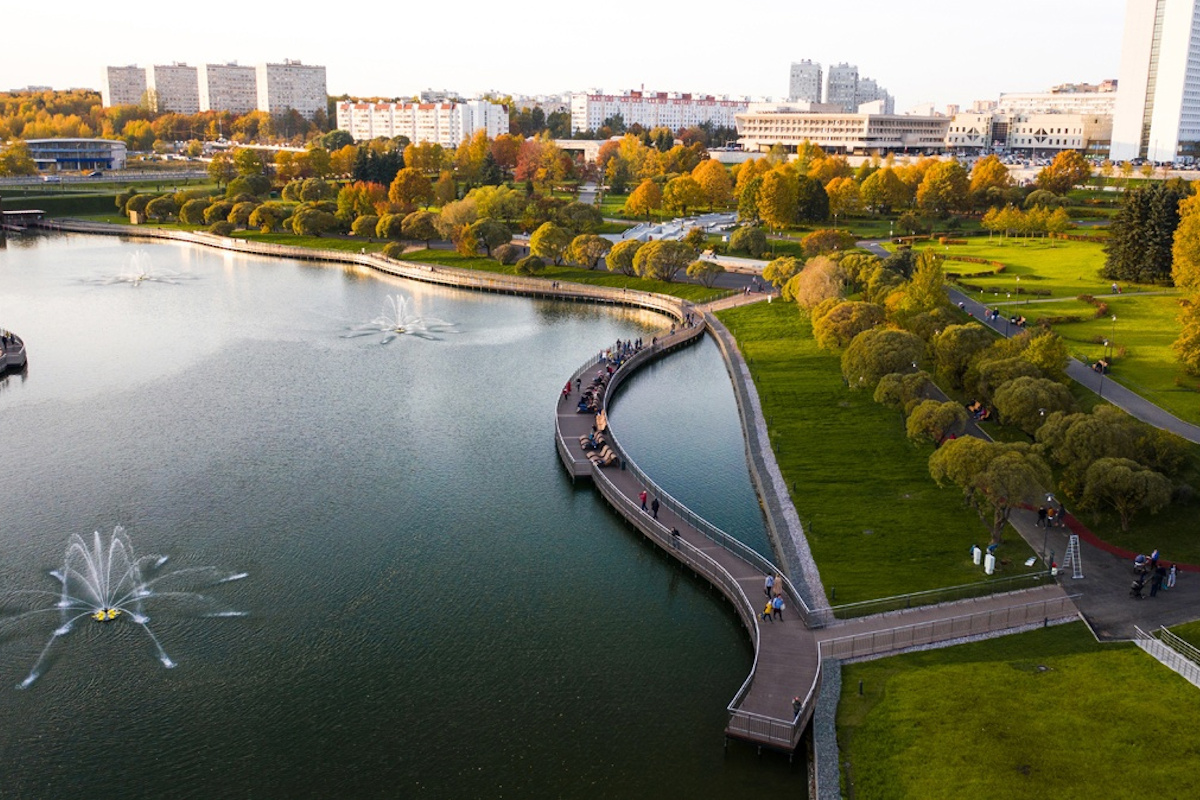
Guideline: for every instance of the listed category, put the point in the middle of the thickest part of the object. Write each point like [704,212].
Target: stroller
[1135,590]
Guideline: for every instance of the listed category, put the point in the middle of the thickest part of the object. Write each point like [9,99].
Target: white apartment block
[291,85]
[761,127]
[228,87]
[123,86]
[446,124]
[653,109]
[1035,132]
[841,86]
[1158,102]
[804,82]
[1102,103]
[173,87]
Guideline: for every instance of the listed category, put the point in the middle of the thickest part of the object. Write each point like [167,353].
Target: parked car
[94,174]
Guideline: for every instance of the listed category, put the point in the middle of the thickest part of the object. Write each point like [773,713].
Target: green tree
[420,226]
[837,328]
[1187,346]
[682,194]
[904,390]
[587,249]
[844,197]
[489,233]
[1068,169]
[645,199]
[1024,402]
[620,258]
[662,260]
[935,421]
[706,272]
[550,241]
[748,201]
[883,191]
[455,216]
[530,265]
[993,476]
[390,226]
[365,225]
[580,218]
[826,240]
[192,212]
[268,217]
[409,188]
[925,291]
[313,222]
[812,203]
[248,162]
[1142,233]
[255,185]
[956,346]
[878,352]
[749,240]
[497,202]
[1126,487]
[781,270]
[162,208]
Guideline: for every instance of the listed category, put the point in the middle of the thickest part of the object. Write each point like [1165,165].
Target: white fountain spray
[107,582]
[400,319]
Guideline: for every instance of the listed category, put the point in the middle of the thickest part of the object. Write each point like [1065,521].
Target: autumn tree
[777,198]
[1185,249]
[269,216]
[409,189]
[1068,169]
[222,169]
[780,270]
[989,172]
[844,197]
[645,199]
[681,194]
[883,191]
[192,212]
[994,477]
[944,188]
[819,280]
[706,272]
[1187,346]
[364,225]
[427,157]
[445,190]
[490,234]
[420,226]
[826,240]
[715,182]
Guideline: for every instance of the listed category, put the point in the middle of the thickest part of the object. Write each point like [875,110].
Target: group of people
[979,412]
[773,589]
[1161,576]
[1052,516]
[1101,366]
[993,314]
[589,396]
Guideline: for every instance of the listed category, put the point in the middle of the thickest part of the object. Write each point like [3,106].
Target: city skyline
[936,51]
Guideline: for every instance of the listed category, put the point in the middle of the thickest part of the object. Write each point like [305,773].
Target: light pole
[1046,533]
[1103,369]
[1113,336]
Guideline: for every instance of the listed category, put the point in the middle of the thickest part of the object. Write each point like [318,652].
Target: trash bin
[976,555]
[989,564]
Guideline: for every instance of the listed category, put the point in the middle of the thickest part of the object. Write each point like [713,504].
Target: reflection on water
[434,610]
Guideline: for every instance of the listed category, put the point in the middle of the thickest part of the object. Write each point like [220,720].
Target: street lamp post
[1046,533]
[1103,369]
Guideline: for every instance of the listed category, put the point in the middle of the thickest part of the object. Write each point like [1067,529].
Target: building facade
[1030,132]
[762,127]
[841,87]
[291,85]
[446,124]
[1101,103]
[653,109]
[804,82]
[228,87]
[173,87]
[1157,114]
[56,155]
[123,86]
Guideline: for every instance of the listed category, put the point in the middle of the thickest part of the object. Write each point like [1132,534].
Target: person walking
[766,614]
[675,538]
[1171,578]
[642,497]
[769,587]
[1156,582]
[1041,523]
[654,508]
[777,607]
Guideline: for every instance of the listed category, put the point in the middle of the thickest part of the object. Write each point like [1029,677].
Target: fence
[1172,651]
[943,630]
[949,594]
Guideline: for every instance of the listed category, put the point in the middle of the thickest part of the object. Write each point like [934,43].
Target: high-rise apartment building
[228,87]
[291,85]
[446,124]
[123,86]
[653,109]
[841,87]
[1158,102]
[173,87]
[805,81]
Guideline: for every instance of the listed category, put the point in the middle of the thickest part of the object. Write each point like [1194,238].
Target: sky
[938,51]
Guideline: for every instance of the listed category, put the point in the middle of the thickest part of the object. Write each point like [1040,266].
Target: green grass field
[686,291]
[1065,269]
[1050,713]
[877,523]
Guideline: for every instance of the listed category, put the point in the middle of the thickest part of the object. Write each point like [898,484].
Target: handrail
[1179,645]
[901,602]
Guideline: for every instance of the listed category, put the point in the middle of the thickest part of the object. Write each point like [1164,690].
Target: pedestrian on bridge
[642,498]
[767,590]
[654,507]
[777,607]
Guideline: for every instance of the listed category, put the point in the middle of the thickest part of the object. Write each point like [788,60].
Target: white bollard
[989,564]
[976,555]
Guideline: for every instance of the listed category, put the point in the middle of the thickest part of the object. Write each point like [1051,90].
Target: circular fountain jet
[106,614]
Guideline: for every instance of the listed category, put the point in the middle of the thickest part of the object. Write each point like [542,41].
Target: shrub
[217,212]
[394,250]
[221,228]
[365,225]
[530,265]
[507,254]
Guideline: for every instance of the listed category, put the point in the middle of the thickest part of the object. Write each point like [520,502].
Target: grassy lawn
[1145,328]
[1189,632]
[1066,269]
[1049,713]
[687,291]
[877,523]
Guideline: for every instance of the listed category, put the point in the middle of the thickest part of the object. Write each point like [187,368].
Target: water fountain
[400,318]
[107,583]
[139,272]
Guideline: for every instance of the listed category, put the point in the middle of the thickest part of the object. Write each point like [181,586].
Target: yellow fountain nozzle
[113,613]
[100,616]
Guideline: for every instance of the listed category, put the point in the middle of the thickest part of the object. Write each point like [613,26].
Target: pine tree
[1142,233]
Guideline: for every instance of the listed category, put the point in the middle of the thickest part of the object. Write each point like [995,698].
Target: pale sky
[939,51]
